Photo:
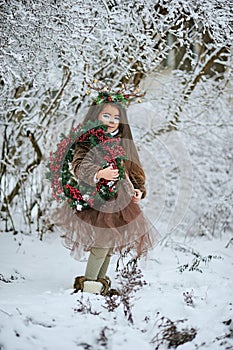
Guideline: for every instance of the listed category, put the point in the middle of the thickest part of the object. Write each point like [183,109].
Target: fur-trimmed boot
[100,286]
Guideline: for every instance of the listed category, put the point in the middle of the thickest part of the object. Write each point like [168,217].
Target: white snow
[39,311]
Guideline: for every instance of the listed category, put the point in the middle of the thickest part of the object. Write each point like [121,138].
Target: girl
[118,225]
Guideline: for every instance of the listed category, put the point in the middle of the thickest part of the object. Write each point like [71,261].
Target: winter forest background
[179,52]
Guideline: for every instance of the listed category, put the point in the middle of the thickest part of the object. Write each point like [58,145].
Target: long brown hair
[133,164]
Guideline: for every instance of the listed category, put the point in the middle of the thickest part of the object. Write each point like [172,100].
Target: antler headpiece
[123,96]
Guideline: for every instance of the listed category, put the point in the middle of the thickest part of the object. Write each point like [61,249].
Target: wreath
[64,184]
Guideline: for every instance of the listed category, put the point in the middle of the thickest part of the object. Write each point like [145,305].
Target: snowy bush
[170,334]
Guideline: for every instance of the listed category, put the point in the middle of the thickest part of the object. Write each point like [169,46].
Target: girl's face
[110,116]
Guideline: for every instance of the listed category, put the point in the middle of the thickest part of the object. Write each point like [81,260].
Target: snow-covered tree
[49,48]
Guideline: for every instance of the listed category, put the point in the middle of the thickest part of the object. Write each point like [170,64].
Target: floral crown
[123,96]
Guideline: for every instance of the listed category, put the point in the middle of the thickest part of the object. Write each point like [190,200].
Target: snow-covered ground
[38,311]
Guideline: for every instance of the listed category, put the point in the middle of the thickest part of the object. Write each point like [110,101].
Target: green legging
[97,263]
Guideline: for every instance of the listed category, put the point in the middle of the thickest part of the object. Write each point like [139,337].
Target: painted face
[110,116]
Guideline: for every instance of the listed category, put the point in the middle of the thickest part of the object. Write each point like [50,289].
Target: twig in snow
[169,334]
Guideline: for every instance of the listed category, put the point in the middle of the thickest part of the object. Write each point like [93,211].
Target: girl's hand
[108,173]
[137,195]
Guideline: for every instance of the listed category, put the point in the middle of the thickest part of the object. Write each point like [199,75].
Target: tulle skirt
[118,224]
